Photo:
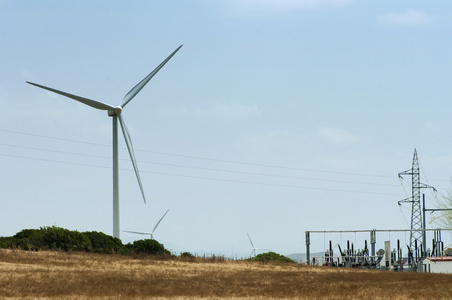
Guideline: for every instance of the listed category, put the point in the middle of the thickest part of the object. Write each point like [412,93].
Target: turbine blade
[250,240]
[156,225]
[131,153]
[136,89]
[89,102]
[136,232]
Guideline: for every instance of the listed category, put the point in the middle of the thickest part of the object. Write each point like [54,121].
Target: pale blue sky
[261,123]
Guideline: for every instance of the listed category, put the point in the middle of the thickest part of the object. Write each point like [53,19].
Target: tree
[187,254]
[272,257]
[103,243]
[65,239]
[444,217]
[147,246]
[53,238]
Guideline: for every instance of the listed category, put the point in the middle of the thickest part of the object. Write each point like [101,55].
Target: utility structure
[116,113]
[352,257]
[417,236]
[151,234]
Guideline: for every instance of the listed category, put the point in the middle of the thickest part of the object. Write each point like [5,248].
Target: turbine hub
[116,111]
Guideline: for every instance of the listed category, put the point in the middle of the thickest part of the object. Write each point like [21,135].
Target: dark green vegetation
[186,254]
[56,238]
[272,257]
[61,239]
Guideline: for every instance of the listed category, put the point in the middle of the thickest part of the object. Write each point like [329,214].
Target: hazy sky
[274,118]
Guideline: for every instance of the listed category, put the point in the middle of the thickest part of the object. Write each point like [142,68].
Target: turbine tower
[116,113]
[151,234]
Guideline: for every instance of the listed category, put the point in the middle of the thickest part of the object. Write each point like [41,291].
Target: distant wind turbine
[254,248]
[115,113]
[151,234]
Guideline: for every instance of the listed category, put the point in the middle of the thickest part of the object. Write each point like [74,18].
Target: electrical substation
[398,249]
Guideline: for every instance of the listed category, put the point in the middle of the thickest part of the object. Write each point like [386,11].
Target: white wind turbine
[252,245]
[115,113]
[153,230]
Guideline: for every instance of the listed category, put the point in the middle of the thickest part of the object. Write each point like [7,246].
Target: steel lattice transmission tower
[416,233]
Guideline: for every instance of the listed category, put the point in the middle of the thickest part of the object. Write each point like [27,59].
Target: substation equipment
[386,258]
[395,259]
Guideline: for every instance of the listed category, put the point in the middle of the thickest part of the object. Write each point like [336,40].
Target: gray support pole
[441,242]
[308,243]
[424,240]
[116,230]
[373,241]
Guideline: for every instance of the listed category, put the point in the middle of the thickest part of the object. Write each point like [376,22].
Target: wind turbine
[153,230]
[252,245]
[115,113]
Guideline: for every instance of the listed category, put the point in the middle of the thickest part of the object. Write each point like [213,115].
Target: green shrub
[271,257]
[64,239]
[147,246]
[103,243]
[7,242]
[51,238]
[28,239]
[186,254]
[25,233]
[56,238]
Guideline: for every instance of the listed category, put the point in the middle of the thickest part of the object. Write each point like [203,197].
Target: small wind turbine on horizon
[254,248]
[115,113]
[153,230]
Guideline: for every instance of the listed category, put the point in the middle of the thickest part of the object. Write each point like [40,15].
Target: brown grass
[61,275]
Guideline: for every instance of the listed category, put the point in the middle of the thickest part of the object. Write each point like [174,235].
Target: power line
[204,158]
[210,178]
[54,161]
[53,138]
[204,168]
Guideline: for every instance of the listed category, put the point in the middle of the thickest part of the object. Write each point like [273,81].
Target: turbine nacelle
[115,112]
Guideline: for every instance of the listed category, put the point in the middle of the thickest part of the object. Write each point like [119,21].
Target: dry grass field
[62,275]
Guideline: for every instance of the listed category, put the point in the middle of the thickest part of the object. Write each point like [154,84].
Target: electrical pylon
[417,228]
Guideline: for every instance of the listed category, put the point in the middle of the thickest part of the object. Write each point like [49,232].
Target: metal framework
[416,254]
[417,226]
